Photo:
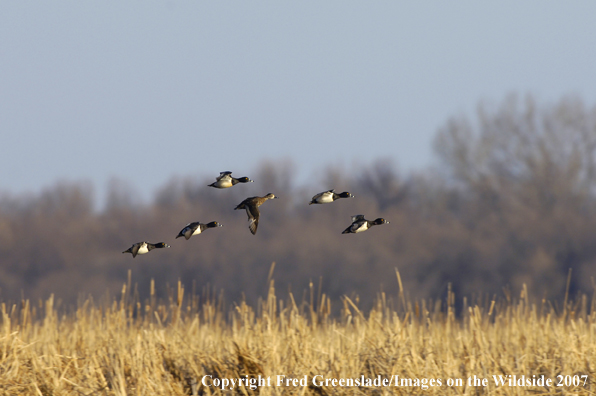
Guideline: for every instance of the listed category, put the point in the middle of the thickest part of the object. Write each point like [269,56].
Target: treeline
[512,200]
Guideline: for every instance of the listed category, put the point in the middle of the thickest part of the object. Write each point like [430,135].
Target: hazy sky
[142,91]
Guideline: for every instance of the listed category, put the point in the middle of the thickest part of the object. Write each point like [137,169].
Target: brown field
[153,347]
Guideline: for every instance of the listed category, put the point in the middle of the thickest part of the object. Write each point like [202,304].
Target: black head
[161,245]
[245,180]
[380,221]
[346,194]
[214,224]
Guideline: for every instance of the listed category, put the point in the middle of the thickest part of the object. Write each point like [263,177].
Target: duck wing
[253,218]
[224,175]
[347,230]
[134,249]
[357,218]
[317,196]
[246,203]
[314,199]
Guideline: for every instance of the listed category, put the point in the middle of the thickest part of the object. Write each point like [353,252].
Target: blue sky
[143,91]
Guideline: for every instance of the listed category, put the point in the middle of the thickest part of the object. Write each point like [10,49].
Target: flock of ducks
[251,205]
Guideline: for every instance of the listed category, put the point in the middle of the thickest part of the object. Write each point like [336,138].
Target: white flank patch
[355,218]
[362,227]
[224,183]
[143,249]
[326,198]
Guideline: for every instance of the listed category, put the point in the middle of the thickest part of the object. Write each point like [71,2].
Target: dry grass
[130,347]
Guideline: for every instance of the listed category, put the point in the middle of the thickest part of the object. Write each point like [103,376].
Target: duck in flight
[225,180]
[196,228]
[252,210]
[360,224]
[144,247]
[329,196]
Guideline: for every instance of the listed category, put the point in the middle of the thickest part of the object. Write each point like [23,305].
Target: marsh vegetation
[183,344]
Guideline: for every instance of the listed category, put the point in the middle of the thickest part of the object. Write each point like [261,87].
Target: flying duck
[196,228]
[329,196]
[252,210]
[360,224]
[225,180]
[144,247]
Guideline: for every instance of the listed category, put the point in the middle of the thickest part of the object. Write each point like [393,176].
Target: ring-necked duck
[252,210]
[360,224]
[196,228]
[225,180]
[144,247]
[329,196]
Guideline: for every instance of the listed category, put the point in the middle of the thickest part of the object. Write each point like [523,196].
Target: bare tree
[511,202]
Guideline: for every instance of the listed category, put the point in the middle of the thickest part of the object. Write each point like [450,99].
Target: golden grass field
[171,347]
